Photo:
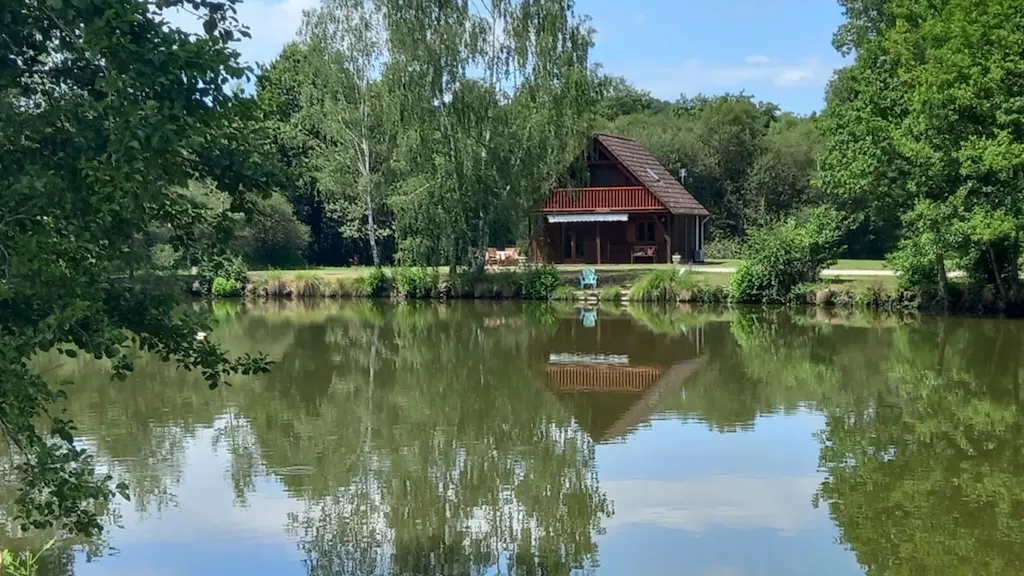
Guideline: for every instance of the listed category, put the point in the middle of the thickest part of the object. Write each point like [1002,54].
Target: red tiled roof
[649,172]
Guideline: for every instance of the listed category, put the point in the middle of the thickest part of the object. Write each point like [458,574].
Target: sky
[777,50]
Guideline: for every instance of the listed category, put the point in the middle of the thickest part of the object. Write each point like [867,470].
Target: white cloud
[755,71]
[780,503]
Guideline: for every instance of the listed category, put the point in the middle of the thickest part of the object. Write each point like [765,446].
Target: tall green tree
[925,125]
[346,39]
[279,91]
[99,134]
[491,109]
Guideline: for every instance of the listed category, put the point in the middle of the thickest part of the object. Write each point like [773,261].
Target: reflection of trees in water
[935,459]
[435,449]
[432,445]
[451,460]
[923,434]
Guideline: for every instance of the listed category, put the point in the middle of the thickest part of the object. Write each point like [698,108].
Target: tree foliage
[346,109]
[746,162]
[779,257]
[99,136]
[924,135]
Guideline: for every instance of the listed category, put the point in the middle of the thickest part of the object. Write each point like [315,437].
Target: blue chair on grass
[588,278]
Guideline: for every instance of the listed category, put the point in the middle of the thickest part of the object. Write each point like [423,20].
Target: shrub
[165,259]
[226,287]
[277,286]
[662,285]
[343,288]
[272,236]
[540,283]
[723,249]
[227,266]
[310,286]
[416,282]
[711,294]
[505,284]
[563,293]
[778,258]
[257,287]
[465,282]
[376,284]
[915,266]
[872,296]
[609,294]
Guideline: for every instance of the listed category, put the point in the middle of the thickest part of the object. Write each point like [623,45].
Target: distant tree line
[917,151]
[748,162]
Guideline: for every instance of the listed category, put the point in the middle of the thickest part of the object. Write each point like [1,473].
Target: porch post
[668,240]
[696,235]
[598,242]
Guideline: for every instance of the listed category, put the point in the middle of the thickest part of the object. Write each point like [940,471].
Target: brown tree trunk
[940,263]
[998,276]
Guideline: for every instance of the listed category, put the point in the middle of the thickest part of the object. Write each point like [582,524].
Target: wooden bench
[648,251]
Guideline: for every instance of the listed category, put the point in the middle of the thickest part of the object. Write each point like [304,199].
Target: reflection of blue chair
[588,317]
[588,278]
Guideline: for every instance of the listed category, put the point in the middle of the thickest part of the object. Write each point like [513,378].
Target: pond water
[487,438]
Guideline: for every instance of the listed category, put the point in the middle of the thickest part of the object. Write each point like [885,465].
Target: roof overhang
[588,217]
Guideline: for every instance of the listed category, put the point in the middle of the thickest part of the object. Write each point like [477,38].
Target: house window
[602,177]
[645,231]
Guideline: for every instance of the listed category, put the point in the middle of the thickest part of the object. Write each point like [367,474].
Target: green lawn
[607,269]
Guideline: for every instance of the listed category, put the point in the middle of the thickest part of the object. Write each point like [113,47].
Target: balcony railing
[610,199]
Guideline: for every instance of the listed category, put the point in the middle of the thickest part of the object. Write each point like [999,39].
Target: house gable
[606,170]
[649,173]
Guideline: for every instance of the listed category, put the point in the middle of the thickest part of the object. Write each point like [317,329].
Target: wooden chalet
[631,211]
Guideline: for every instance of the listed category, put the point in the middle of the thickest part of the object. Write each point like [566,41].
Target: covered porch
[619,238]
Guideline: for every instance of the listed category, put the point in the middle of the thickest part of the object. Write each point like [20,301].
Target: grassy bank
[643,283]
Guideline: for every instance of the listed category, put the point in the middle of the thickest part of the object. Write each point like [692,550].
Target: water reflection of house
[617,375]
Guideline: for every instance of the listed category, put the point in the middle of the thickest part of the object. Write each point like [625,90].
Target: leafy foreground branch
[100,138]
[23,564]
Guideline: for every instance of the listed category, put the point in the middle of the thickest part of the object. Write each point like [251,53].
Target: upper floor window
[602,177]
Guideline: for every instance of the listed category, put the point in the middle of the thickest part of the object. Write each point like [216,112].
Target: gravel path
[829,272]
[833,272]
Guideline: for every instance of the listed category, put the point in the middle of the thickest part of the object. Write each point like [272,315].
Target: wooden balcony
[607,378]
[611,199]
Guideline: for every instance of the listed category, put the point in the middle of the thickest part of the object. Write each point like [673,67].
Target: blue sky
[778,50]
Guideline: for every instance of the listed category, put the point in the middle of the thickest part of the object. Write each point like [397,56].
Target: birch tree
[344,100]
[493,105]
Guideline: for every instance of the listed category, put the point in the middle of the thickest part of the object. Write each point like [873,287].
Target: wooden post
[561,244]
[598,243]
[668,241]
[696,236]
